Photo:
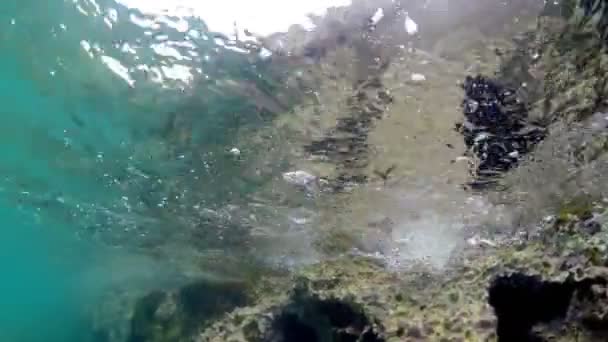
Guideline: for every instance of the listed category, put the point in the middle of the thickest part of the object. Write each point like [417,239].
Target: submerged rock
[521,301]
[551,286]
[308,318]
[235,151]
[299,178]
[174,315]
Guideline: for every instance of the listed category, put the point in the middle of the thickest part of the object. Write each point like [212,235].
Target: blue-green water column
[39,300]
[47,168]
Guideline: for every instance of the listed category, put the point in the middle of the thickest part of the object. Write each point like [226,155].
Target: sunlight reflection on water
[262,17]
[178,53]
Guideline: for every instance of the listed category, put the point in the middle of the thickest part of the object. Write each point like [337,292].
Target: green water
[89,167]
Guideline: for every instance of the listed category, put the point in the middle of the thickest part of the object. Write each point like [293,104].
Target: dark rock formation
[522,302]
[308,318]
[589,307]
[176,315]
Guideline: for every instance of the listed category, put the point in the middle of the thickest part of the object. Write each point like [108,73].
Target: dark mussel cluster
[495,128]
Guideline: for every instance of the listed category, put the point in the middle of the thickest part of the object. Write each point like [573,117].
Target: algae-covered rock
[174,315]
[548,286]
[518,288]
[168,313]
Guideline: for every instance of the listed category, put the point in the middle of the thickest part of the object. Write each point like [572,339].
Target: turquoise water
[94,166]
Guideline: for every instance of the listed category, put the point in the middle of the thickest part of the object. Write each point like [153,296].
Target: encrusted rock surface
[549,285]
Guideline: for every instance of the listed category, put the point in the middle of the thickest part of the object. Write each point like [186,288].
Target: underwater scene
[303,171]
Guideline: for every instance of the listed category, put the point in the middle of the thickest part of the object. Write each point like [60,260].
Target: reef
[549,283]
[550,287]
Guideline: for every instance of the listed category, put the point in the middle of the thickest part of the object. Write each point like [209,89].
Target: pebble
[549,219]
[299,177]
[235,151]
[418,77]
[477,241]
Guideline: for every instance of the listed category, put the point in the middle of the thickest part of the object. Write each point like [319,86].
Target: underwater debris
[495,128]
[481,242]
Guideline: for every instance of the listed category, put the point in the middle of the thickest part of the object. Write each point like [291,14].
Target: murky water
[147,144]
